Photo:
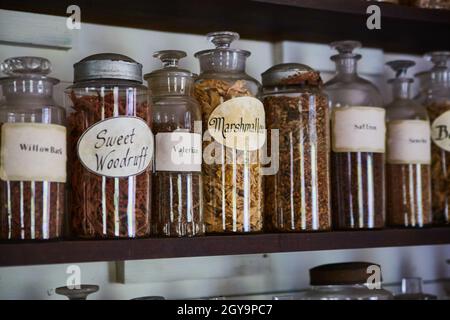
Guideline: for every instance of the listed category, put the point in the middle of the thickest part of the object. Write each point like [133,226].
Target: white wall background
[201,277]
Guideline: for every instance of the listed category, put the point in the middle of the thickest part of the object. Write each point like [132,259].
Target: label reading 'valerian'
[239,123]
[117,147]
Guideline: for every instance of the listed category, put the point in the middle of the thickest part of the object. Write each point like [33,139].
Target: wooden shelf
[28,253]
[403,29]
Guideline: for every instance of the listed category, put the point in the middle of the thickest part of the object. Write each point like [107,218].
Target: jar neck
[172,86]
[222,61]
[401,89]
[19,89]
[346,66]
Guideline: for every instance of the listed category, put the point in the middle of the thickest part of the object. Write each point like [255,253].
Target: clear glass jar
[412,290]
[408,161]
[110,148]
[345,281]
[234,125]
[177,198]
[358,144]
[435,96]
[33,152]
[297,108]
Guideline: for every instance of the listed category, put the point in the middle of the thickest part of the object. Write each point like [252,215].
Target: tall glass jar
[177,202]
[298,110]
[234,125]
[110,148]
[33,152]
[435,96]
[358,144]
[408,172]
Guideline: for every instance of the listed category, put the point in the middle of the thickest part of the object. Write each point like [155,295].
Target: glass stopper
[77,294]
[400,67]
[345,46]
[439,58]
[170,58]
[26,65]
[411,285]
[222,39]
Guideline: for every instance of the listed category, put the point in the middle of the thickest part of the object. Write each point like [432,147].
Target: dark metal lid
[291,74]
[107,66]
[341,273]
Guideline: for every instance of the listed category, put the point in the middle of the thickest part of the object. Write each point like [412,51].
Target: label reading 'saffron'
[408,142]
[117,147]
[239,123]
[178,151]
[440,131]
[33,152]
[358,129]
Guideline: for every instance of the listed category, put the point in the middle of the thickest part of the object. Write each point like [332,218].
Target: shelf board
[403,29]
[54,252]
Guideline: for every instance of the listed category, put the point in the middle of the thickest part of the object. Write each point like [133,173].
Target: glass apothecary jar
[408,161]
[346,281]
[33,152]
[234,125]
[177,198]
[358,133]
[299,187]
[435,96]
[110,148]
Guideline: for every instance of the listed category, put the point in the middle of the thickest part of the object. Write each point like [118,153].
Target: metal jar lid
[291,74]
[348,273]
[107,66]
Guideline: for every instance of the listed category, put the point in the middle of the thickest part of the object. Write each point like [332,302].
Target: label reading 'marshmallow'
[408,142]
[239,123]
[178,151]
[359,129]
[117,147]
[33,152]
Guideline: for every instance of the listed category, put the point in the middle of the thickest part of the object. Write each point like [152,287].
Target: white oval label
[117,147]
[440,131]
[239,123]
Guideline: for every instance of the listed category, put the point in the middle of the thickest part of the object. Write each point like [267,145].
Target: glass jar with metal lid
[297,110]
[234,125]
[177,199]
[33,152]
[110,148]
[435,96]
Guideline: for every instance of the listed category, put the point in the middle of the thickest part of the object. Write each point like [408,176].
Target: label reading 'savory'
[408,142]
[33,152]
[358,129]
[117,147]
[440,131]
[178,151]
[239,123]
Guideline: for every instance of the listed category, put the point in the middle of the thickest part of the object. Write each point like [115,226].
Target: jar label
[178,151]
[408,142]
[358,129]
[117,147]
[239,123]
[440,131]
[33,152]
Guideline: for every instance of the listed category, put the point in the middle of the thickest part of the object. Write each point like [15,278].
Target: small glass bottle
[435,96]
[234,125]
[33,152]
[177,199]
[412,290]
[408,172]
[358,144]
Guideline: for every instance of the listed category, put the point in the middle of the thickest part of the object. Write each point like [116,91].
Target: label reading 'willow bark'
[33,152]
[239,123]
[117,147]
[358,129]
[440,131]
[408,142]
[178,151]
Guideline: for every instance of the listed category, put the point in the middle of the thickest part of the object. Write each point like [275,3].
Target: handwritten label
[408,142]
[33,152]
[178,151]
[117,147]
[440,131]
[239,123]
[358,129]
